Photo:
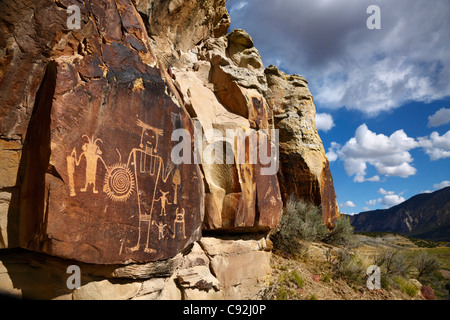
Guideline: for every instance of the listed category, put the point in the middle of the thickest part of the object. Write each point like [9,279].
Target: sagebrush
[302,222]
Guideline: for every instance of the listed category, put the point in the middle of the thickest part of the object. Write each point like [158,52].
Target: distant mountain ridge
[424,216]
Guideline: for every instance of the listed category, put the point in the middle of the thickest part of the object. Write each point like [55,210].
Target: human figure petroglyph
[143,174]
[92,153]
[145,127]
[147,163]
[164,201]
[160,227]
[179,222]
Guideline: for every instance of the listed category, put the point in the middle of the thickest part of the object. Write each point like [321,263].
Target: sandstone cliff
[87,117]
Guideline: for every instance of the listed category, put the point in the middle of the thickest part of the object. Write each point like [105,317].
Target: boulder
[106,290]
[150,289]
[427,293]
[241,265]
[232,245]
[197,283]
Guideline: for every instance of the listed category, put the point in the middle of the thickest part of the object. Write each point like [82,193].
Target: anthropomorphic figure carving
[160,227]
[92,153]
[164,201]
[178,224]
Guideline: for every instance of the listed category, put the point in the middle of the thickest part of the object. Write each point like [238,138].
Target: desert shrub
[300,221]
[284,287]
[326,278]
[386,282]
[342,232]
[392,262]
[406,287]
[297,279]
[282,293]
[313,297]
[349,267]
[426,265]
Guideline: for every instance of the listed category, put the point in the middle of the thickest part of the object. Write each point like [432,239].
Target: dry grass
[313,274]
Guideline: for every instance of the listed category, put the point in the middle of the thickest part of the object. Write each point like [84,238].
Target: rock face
[223,94]
[128,129]
[304,168]
[178,25]
[201,272]
[98,183]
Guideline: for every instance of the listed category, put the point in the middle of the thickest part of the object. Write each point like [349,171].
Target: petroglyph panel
[119,197]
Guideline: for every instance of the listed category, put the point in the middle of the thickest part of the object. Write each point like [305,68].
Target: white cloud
[384,192]
[436,146]
[331,154]
[348,65]
[371,202]
[441,185]
[324,121]
[238,6]
[366,208]
[348,204]
[389,155]
[441,117]
[391,200]
[373,179]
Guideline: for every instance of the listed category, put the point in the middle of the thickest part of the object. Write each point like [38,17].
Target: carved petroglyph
[70,172]
[142,178]
[179,224]
[176,182]
[160,227]
[145,127]
[119,182]
[92,153]
[164,201]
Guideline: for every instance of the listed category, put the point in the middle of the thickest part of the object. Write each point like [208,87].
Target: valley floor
[314,275]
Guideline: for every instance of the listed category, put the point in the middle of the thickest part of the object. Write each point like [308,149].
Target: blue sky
[382,96]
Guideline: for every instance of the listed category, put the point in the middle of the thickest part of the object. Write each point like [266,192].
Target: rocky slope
[425,216]
[89,123]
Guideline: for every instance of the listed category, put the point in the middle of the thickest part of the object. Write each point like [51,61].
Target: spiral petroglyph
[119,182]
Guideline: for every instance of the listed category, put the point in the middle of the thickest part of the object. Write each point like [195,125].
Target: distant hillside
[425,216]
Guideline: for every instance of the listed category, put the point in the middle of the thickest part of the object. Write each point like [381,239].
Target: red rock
[98,183]
[315,277]
[427,293]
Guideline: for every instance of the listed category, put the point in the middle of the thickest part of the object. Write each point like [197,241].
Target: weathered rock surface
[304,168]
[222,87]
[241,266]
[196,274]
[178,25]
[98,183]
[86,166]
